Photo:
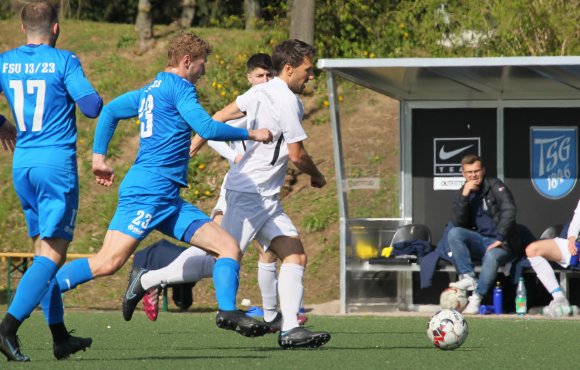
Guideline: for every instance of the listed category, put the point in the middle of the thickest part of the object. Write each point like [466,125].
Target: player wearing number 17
[42,85]
[149,198]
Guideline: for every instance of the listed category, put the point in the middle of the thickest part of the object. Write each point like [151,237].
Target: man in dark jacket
[484,216]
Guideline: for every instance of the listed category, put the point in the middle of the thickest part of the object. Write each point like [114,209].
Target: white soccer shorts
[563,245]
[253,216]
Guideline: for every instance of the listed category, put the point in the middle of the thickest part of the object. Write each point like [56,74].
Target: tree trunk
[302,20]
[253,15]
[144,26]
[64,9]
[187,13]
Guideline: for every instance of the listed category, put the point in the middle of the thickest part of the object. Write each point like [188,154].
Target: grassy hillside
[113,66]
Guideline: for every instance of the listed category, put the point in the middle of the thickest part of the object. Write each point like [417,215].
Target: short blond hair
[187,44]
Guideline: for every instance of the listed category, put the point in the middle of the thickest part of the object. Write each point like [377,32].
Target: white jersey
[574,227]
[274,106]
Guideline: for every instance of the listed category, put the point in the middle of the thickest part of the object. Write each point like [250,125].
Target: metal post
[339,168]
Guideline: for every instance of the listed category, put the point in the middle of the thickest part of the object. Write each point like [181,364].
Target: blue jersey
[41,84]
[168,111]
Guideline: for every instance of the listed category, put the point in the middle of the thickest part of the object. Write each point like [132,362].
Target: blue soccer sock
[32,287]
[74,273]
[52,305]
[226,278]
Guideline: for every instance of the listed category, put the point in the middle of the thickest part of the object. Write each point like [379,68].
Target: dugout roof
[436,83]
[446,79]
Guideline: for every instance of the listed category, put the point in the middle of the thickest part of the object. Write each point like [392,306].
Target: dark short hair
[292,52]
[471,159]
[38,17]
[259,60]
[187,44]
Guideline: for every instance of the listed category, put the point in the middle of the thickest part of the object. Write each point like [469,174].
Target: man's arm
[228,113]
[123,107]
[209,128]
[91,105]
[7,134]
[507,210]
[226,151]
[298,155]
[460,210]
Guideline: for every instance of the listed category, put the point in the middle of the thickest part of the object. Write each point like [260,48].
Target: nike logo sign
[446,155]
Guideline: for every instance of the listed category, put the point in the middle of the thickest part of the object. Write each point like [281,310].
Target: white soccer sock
[268,287]
[290,291]
[545,273]
[189,267]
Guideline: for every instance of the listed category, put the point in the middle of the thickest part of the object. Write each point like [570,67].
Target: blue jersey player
[149,197]
[42,84]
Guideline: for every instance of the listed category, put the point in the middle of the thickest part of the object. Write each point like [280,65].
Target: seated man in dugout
[484,219]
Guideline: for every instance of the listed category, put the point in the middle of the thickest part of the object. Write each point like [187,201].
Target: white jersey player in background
[557,250]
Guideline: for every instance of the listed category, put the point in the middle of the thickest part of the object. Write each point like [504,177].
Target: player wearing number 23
[149,196]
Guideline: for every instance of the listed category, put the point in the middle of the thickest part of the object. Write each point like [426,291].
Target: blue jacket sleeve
[122,107]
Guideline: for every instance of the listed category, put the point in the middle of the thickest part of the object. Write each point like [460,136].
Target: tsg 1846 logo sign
[554,160]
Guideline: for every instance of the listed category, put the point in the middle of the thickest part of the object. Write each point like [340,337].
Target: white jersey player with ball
[253,185]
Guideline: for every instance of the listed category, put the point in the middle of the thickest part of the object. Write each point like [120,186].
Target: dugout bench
[18,263]
[405,277]
[404,268]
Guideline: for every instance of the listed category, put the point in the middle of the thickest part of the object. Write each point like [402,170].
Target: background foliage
[384,28]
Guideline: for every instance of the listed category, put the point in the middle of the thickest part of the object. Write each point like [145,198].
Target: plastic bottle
[521,298]
[485,310]
[574,259]
[498,299]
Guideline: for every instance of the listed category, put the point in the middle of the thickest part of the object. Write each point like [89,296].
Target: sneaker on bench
[557,308]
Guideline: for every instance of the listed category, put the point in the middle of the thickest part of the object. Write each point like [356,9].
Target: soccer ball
[453,299]
[447,329]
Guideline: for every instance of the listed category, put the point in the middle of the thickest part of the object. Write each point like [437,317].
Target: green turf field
[192,341]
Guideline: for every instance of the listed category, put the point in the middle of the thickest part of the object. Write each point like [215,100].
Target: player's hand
[104,174]
[8,135]
[495,244]
[317,181]
[262,135]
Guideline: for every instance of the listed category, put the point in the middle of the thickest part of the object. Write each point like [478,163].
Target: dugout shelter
[520,114]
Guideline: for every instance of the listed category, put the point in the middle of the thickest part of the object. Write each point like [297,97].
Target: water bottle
[486,310]
[498,299]
[574,259]
[521,298]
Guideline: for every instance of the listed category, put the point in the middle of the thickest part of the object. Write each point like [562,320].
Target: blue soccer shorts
[147,202]
[50,200]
